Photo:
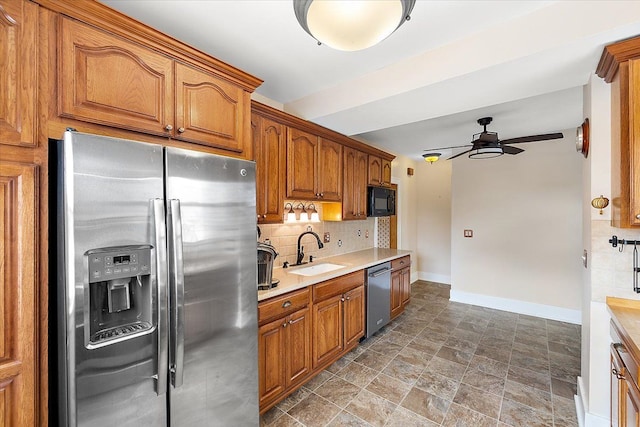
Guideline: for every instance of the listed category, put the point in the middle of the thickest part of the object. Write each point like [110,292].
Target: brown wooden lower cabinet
[400,285]
[625,395]
[299,336]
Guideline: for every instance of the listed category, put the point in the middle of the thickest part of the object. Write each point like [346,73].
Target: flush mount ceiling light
[431,157]
[486,152]
[351,24]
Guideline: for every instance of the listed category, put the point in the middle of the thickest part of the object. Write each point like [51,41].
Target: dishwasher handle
[380,272]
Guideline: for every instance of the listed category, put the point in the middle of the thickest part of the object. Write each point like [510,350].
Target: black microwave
[381,201]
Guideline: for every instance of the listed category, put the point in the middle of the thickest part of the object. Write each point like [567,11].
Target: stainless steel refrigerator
[156,286]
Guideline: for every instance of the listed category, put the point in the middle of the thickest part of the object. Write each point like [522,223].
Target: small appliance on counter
[266,255]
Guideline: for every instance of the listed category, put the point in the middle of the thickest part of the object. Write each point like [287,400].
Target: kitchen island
[308,322]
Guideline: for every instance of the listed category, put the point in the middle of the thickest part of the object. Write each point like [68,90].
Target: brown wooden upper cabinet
[18,24]
[354,196]
[379,171]
[111,81]
[314,167]
[269,139]
[620,66]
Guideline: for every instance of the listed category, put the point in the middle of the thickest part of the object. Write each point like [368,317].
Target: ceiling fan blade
[511,150]
[459,154]
[532,138]
[447,148]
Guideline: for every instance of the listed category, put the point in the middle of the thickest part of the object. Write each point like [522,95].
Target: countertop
[352,261]
[625,313]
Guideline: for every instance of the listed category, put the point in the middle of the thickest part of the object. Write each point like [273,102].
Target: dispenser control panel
[105,264]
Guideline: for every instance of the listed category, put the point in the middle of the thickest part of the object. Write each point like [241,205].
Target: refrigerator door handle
[176,281]
[161,280]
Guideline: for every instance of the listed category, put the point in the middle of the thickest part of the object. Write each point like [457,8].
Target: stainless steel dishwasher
[378,297]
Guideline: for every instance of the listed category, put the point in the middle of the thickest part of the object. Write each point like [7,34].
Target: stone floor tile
[446,367]
[403,371]
[438,385]
[426,404]
[459,416]
[541,381]
[478,400]
[357,374]
[414,357]
[529,396]
[566,349]
[564,408]
[383,346]
[563,388]
[318,380]
[338,391]
[293,399]
[501,354]
[390,388]
[516,414]
[338,365]
[345,419]
[425,346]
[269,417]
[489,383]
[314,411]
[455,355]
[402,417]
[373,360]
[489,366]
[285,421]
[372,408]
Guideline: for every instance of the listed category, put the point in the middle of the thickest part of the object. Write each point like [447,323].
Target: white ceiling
[522,62]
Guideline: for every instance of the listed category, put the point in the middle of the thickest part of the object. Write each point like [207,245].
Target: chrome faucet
[301,249]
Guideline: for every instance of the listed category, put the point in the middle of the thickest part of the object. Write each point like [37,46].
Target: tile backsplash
[353,236]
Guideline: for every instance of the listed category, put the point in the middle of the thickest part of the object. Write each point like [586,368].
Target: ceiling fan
[486,144]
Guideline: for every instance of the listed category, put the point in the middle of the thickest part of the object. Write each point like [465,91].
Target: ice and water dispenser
[119,302]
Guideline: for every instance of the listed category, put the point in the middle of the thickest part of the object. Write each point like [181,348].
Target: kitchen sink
[316,269]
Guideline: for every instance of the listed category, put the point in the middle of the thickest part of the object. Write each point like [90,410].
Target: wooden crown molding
[298,123]
[614,54]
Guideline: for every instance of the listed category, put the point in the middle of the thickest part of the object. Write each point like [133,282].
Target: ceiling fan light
[486,153]
[351,25]
[431,157]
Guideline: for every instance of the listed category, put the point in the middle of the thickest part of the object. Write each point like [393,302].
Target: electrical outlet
[468,233]
[366,234]
[309,228]
[339,243]
[327,237]
[359,233]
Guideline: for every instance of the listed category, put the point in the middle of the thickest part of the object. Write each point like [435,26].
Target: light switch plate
[468,233]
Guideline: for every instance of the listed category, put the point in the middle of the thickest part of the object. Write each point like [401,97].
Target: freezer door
[111,236]
[213,285]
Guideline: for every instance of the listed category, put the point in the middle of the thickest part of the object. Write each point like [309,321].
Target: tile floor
[443,363]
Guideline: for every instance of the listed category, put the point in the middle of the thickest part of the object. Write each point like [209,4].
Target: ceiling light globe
[351,25]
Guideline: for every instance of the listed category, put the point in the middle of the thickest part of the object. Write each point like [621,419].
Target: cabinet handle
[618,375]
[342,299]
[180,130]
[264,215]
[286,304]
[348,298]
[258,216]
[321,194]
[284,325]
[290,321]
[638,216]
[168,128]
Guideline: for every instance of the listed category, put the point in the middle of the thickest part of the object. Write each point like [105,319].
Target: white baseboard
[433,277]
[520,307]
[585,418]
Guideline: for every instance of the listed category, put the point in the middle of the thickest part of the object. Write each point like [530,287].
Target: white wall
[406,208]
[609,271]
[434,221]
[526,215]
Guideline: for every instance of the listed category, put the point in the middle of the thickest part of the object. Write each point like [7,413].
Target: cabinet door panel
[634,143]
[354,322]
[302,160]
[210,110]
[18,22]
[396,293]
[270,150]
[360,186]
[298,347]
[107,80]
[632,404]
[18,252]
[349,203]
[375,170]
[330,171]
[405,276]
[271,360]
[385,177]
[327,330]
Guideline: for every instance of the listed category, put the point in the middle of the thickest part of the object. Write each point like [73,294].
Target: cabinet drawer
[620,347]
[401,263]
[282,305]
[338,285]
